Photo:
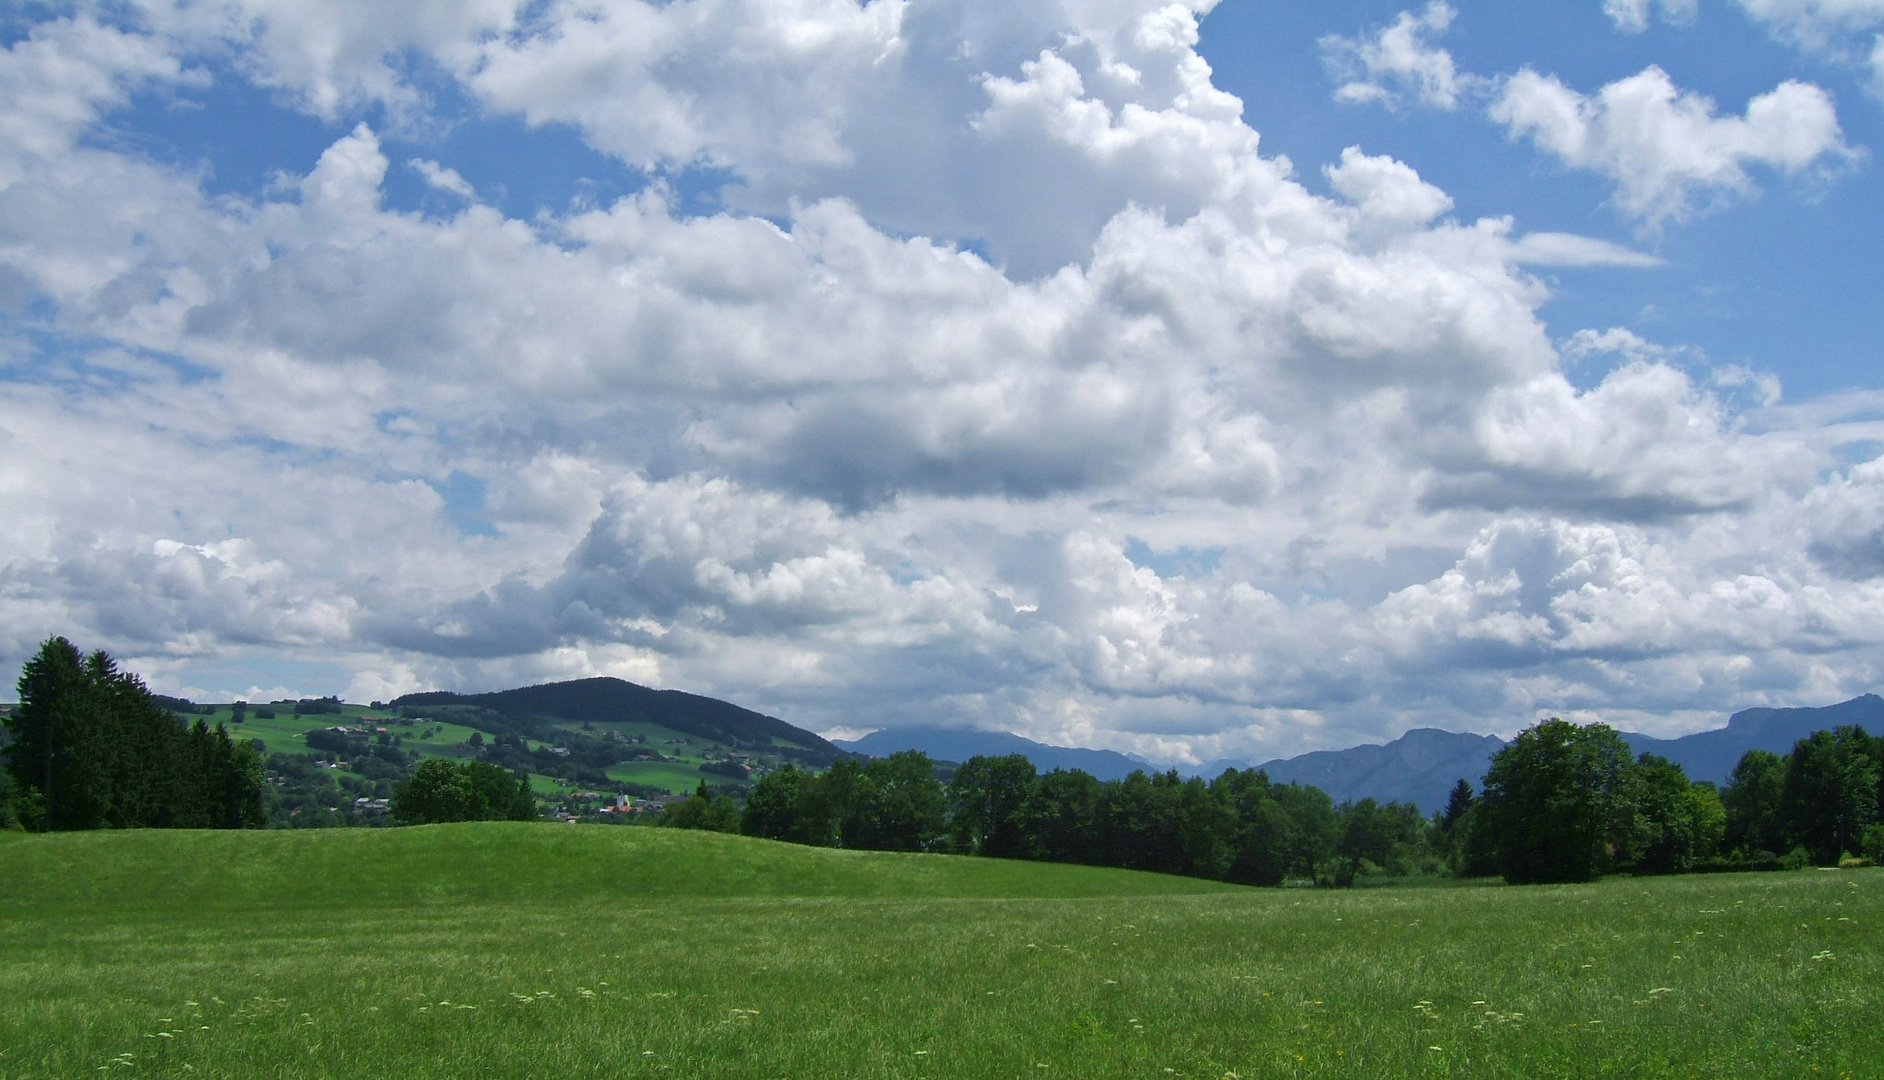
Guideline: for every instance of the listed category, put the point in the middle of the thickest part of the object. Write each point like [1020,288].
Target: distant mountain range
[1422,766]
[958,745]
[1712,755]
[1419,767]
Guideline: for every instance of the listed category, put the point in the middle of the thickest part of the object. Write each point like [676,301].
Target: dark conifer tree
[56,751]
[93,748]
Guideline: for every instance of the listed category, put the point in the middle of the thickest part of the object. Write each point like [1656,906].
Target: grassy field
[677,777]
[526,950]
[284,731]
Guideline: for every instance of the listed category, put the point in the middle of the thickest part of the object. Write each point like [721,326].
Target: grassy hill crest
[481,862]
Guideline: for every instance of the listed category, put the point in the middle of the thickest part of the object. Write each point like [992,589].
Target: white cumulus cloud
[1399,61]
[1667,150]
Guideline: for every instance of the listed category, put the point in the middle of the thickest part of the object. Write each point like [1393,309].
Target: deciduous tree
[1558,804]
[1831,791]
[987,799]
[1752,803]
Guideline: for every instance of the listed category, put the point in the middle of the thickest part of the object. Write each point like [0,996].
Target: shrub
[444,790]
[329,740]
[1872,843]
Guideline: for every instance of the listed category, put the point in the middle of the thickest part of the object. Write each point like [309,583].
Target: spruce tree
[59,748]
[93,748]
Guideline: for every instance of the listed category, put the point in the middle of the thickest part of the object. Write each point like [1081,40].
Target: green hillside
[610,701]
[333,763]
[484,862]
[541,950]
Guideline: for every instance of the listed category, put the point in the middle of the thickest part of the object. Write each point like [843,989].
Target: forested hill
[610,700]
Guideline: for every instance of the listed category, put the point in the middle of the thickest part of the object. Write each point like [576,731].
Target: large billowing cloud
[1013,386]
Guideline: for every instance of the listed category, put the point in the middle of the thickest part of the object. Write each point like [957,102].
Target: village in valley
[327,762]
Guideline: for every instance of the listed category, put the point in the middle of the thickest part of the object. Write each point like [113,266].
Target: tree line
[1240,827]
[1564,802]
[90,747]
[1561,802]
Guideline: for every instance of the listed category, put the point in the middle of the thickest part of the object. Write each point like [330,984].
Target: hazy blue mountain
[953,744]
[1711,755]
[1419,767]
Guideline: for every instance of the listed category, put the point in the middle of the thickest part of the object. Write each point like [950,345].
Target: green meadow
[553,951]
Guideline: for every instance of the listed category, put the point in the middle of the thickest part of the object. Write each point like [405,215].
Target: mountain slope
[1711,755]
[1419,767]
[610,700]
[951,744]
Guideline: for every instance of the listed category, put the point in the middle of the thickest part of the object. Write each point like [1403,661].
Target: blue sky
[1783,282]
[1202,381]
